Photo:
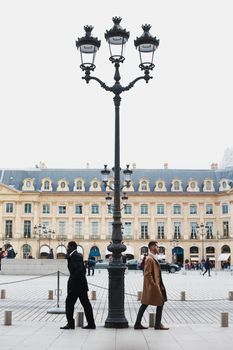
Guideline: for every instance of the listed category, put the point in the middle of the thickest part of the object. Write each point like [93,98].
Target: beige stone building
[190,212]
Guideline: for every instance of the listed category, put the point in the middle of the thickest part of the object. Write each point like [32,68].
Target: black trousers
[158,316]
[71,299]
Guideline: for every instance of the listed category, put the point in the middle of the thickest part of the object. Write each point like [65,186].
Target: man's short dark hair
[72,244]
[151,243]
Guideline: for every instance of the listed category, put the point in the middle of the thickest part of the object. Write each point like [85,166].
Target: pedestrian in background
[207,267]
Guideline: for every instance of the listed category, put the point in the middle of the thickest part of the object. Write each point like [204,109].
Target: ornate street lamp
[202,226]
[116,37]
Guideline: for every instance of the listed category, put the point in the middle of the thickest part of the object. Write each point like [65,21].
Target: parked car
[134,264]
[101,264]
[169,267]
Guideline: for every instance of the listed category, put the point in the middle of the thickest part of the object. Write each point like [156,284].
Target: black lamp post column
[88,46]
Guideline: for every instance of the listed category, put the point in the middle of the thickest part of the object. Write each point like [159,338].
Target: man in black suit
[77,288]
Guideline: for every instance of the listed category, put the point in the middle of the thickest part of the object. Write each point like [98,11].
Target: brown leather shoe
[139,326]
[161,327]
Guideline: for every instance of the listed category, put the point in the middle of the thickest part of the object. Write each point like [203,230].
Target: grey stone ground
[194,323]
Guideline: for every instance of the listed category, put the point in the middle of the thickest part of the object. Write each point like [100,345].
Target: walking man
[207,267]
[77,288]
[154,292]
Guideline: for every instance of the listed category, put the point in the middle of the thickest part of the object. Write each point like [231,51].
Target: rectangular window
[144,209]
[127,229]
[62,209]
[209,209]
[144,230]
[209,230]
[193,209]
[177,230]
[78,228]
[27,229]
[193,230]
[94,228]
[176,209]
[128,209]
[225,229]
[27,208]
[78,209]
[95,209]
[9,229]
[110,229]
[225,209]
[9,207]
[46,209]
[160,230]
[62,228]
[160,209]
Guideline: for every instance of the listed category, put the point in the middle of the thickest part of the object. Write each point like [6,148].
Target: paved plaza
[194,323]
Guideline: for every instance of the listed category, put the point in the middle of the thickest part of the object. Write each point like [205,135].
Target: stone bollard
[99,271]
[151,320]
[230,295]
[139,296]
[182,296]
[8,318]
[50,295]
[224,319]
[3,294]
[79,319]
[93,295]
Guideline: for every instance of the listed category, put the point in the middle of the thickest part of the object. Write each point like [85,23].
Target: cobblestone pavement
[206,297]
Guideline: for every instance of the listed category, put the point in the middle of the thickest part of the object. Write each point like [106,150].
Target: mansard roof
[14,178]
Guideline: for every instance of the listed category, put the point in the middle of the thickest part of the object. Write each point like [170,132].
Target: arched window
[194,250]
[176,185]
[225,249]
[79,185]
[144,186]
[210,250]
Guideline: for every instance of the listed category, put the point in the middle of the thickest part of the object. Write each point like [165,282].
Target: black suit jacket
[77,281]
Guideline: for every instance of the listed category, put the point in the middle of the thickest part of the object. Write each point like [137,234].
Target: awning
[44,249]
[61,249]
[224,256]
[129,250]
[194,258]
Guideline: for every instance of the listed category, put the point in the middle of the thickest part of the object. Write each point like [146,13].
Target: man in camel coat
[154,292]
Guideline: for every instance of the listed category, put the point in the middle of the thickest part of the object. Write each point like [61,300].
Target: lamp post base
[116,317]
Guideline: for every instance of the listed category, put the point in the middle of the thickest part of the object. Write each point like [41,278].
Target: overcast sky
[183,117]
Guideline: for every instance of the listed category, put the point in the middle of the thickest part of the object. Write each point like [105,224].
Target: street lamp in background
[88,46]
[202,227]
[41,232]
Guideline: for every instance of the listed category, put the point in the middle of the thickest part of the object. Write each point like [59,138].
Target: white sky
[182,117]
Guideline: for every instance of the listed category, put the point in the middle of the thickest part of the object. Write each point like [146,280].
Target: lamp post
[202,226]
[146,44]
[41,231]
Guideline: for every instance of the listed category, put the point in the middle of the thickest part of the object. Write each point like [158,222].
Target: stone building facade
[190,212]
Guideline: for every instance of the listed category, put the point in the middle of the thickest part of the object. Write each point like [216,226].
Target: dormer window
[63,185]
[192,186]
[46,184]
[176,185]
[160,186]
[208,185]
[144,185]
[79,184]
[28,185]
[95,185]
[224,185]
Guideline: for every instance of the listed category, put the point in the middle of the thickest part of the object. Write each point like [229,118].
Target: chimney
[165,165]
[214,166]
[134,165]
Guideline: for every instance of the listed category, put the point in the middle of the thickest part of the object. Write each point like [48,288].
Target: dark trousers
[158,316]
[70,302]
[206,271]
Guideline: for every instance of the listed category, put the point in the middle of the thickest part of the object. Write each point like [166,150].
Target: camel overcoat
[154,292]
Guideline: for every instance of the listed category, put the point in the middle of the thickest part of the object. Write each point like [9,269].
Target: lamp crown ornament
[88,29]
[146,28]
[117,30]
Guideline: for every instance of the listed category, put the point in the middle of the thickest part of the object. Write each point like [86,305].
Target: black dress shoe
[139,326]
[67,326]
[89,327]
